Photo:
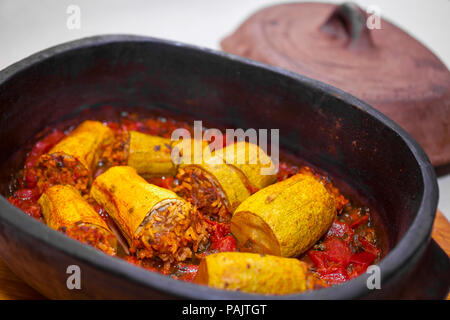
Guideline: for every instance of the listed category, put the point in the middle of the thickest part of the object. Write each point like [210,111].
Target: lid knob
[348,22]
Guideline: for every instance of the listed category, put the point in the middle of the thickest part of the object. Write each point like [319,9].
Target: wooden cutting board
[441,234]
[12,288]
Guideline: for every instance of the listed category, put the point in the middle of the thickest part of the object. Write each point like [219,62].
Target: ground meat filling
[116,153]
[58,168]
[199,188]
[92,235]
[172,233]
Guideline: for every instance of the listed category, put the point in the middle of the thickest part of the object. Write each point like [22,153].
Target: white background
[30,26]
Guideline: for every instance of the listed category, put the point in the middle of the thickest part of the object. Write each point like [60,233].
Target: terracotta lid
[385,67]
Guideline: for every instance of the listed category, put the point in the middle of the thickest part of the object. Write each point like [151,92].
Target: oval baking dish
[332,130]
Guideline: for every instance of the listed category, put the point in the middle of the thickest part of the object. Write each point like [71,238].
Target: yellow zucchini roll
[214,187]
[155,221]
[150,156]
[257,167]
[219,184]
[255,273]
[190,151]
[73,159]
[65,210]
[286,218]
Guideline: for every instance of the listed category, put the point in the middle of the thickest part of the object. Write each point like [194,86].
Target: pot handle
[349,21]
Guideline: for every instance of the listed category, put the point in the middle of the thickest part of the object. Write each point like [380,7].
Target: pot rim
[407,249]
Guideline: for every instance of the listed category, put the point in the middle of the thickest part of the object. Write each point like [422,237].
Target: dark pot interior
[360,148]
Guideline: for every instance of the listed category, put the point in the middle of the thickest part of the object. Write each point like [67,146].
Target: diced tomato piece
[341,201]
[30,179]
[25,199]
[27,194]
[364,257]
[357,270]
[218,230]
[334,275]
[221,239]
[30,161]
[337,251]
[189,271]
[368,246]
[14,201]
[319,258]
[188,267]
[43,146]
[225,244]
[340,229]
[359,221]
[34,211]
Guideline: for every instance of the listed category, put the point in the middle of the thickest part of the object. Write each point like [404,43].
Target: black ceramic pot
[328,128]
